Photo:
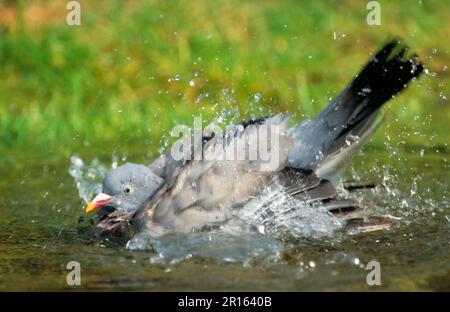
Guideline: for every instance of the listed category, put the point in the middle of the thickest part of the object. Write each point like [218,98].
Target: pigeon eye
[128,190]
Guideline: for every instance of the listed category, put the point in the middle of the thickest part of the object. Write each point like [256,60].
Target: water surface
[43,227]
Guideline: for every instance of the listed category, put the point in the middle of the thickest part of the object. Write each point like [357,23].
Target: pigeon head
[125,188]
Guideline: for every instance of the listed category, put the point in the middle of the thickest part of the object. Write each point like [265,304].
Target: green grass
[110,82]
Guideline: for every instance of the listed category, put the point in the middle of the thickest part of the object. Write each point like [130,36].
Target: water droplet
[258,96]
[262,229]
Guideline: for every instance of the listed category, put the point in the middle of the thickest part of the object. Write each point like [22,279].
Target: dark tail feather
[386,75]
[355,109]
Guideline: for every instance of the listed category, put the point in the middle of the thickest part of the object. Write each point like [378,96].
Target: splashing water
[216,244]
[277,214]
[88,178]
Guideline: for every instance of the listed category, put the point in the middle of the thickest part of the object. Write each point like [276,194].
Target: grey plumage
[131,185]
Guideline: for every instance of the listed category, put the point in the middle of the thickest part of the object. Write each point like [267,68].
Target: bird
[181,196]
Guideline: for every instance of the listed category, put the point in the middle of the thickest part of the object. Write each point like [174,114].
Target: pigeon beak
[99,200]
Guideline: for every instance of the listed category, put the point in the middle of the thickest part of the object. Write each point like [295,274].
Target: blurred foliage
[135,68]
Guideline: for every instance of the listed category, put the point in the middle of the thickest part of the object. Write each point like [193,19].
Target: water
[43,227]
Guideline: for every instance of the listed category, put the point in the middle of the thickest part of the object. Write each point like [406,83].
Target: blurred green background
[134,69]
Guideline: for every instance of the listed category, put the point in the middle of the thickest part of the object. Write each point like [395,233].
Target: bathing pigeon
[187,195]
